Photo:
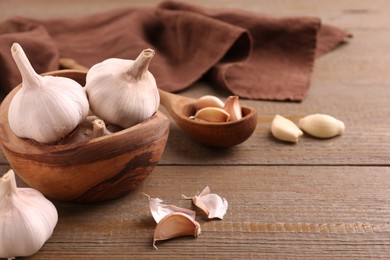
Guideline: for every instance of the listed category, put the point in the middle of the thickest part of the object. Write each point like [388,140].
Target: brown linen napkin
[253,56]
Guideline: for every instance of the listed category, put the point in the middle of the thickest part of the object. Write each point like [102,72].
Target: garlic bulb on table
[27,219]
[123,92]
[46,108]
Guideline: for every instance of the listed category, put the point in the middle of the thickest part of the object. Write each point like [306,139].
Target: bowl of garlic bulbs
[65,135]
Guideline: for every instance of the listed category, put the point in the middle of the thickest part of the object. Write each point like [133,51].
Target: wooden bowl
[96,170]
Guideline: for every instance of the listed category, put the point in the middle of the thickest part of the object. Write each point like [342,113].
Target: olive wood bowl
[100,169]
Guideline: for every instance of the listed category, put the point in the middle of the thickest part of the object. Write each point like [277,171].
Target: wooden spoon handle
[67,63]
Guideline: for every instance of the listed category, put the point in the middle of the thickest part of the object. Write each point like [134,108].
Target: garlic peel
[159,210]
[321,125]
[212,204]
[27,219]
[45,108]
[233,107]
[285,130]
[176,224]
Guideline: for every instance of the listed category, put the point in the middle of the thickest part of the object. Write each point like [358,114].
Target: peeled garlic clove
[212,114]
[285,130]
[321,125]
[175,224]
[159,210]
[27,219]
[212,204]
[208,101]
[45,108]
[123,92]
[233,107]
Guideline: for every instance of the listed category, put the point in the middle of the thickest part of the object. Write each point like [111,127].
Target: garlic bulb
[233,107]
[46,108]
[27,219]
[123,92]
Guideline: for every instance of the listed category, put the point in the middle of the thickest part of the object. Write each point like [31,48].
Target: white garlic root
[159,210]
[212,204]
[175,224]
[45,108]
[321,125]
[285,130]
[123,92]
[233,107]
[27,219]
[208,101]
[212,114]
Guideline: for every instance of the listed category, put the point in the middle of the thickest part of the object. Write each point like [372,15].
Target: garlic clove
[27,219]
[91,127]
[45,108]
[212,204]
[99,129]
[285,130]
[175,224]
[233,107]
[123,92]
[159,210]
[208,101]
[212,114]
[321,125]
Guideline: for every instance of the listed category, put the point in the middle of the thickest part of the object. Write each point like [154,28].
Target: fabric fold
[251,55]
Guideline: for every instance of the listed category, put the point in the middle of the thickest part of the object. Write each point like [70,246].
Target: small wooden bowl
[96,170]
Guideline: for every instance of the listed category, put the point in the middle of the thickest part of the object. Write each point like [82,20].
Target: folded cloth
[253,56]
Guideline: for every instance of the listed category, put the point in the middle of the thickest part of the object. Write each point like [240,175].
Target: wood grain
[274,211]
[318,199]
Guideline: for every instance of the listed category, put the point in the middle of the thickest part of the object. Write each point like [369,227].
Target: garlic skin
[285,130]
[123,92]
[233,107]
[46,108]
[175,224]
[212,204]
[321,125]
[27,219]
[159,210]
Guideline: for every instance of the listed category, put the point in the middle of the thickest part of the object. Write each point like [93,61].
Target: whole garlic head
[123,92]
[27,219]
[46,108]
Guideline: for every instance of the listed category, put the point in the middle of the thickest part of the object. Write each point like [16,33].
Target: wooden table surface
[316,199]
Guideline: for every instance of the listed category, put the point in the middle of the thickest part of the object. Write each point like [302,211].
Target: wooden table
[316,199]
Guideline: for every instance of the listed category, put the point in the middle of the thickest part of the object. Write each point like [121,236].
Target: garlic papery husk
[175,224]
[159,210]
[45,108]
[123,92]
[285,130]
[208,101]
[233,107]
[321,125]
[212,204]
[27,219]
